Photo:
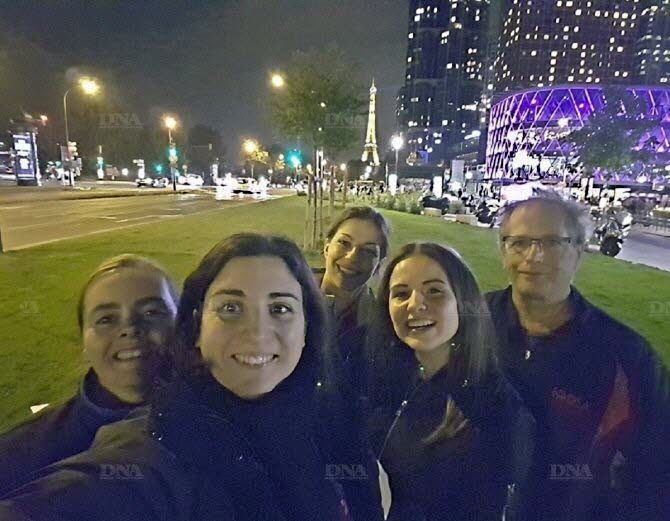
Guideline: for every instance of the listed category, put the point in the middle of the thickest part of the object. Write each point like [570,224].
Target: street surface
[25,224]
[30,216]
[645,248]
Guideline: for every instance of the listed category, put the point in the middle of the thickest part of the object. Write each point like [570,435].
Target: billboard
[25,160]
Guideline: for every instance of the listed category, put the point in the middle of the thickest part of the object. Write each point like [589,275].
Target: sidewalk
[652,230]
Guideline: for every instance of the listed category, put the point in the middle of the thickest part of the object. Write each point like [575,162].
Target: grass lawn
[39,342]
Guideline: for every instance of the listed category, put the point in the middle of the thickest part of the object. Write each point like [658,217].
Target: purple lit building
[525,127]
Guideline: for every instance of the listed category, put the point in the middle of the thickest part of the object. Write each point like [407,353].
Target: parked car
[300,189]
[194,180]
[145,182]
[245,185]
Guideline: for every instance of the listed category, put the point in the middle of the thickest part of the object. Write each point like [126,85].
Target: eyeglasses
[520,245]
[344,245]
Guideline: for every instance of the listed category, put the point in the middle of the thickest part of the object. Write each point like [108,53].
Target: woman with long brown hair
[452,435]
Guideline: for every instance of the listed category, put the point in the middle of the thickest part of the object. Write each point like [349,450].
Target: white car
[194,180]
[245,185]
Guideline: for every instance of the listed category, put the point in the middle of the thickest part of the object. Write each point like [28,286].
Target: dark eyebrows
[434,280]
[429,281]
[369,243]
[234,292]
[240,293]
[279,294]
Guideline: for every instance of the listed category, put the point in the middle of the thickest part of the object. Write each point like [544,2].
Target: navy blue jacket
[457,479]
[54,434]
[187,461]
[601,399]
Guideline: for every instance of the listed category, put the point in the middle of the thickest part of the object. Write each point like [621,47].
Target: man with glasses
[599,394]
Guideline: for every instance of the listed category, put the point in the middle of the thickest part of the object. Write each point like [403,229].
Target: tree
[610,137]
[319,105]
[320,102]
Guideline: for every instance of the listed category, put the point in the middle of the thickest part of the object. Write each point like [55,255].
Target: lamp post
[89,87]
[250,147]
[170,123]
[397,142]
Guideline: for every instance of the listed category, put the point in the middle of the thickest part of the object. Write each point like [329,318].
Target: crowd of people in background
[269,390]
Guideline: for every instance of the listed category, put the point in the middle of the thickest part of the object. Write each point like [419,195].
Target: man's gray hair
[577,215]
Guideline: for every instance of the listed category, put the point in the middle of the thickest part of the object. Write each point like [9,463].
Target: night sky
[206,61]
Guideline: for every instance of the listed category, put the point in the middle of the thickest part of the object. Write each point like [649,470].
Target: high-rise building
[653,48]
[440,108]
[555,42]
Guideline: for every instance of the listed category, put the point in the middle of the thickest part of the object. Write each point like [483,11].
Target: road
[645,248]
[26,224]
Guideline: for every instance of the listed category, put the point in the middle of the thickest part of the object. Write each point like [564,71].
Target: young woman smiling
[126,316]
[356,245]
[451,434]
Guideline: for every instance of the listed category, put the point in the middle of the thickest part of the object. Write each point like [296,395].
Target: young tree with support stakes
[317,102]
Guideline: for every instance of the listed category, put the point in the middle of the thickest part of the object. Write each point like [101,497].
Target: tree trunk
[345,187]
[331,207]
[308,216]
[320,234]
[315,209]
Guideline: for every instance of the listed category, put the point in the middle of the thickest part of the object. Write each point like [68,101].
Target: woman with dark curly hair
[251,427]
[452,435]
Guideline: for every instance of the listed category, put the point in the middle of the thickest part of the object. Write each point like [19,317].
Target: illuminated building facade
[440,108]
[653,48]
[525,127]
[553,42]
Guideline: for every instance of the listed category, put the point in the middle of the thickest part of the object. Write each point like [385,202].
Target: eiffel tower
[370,154]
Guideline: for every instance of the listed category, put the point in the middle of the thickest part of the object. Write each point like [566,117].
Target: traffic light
[158,168]
[99,161]
[294,158]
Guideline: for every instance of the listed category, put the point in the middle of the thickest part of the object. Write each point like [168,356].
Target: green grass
[39,342]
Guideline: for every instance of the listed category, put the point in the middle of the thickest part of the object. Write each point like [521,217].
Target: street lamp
[170,123]
[250,147]
[397,142]
[89,87]
[277,81]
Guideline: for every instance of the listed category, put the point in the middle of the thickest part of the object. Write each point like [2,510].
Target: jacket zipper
[403,405]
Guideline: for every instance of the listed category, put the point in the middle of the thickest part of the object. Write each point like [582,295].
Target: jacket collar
[93,414]
[581,308]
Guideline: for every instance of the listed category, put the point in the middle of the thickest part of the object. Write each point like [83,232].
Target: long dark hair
[188,361]
[475,342]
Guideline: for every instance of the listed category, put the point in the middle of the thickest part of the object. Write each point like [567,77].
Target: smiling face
[252,330]
[422,304]
[540,274]
[128,315]
[352,256]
